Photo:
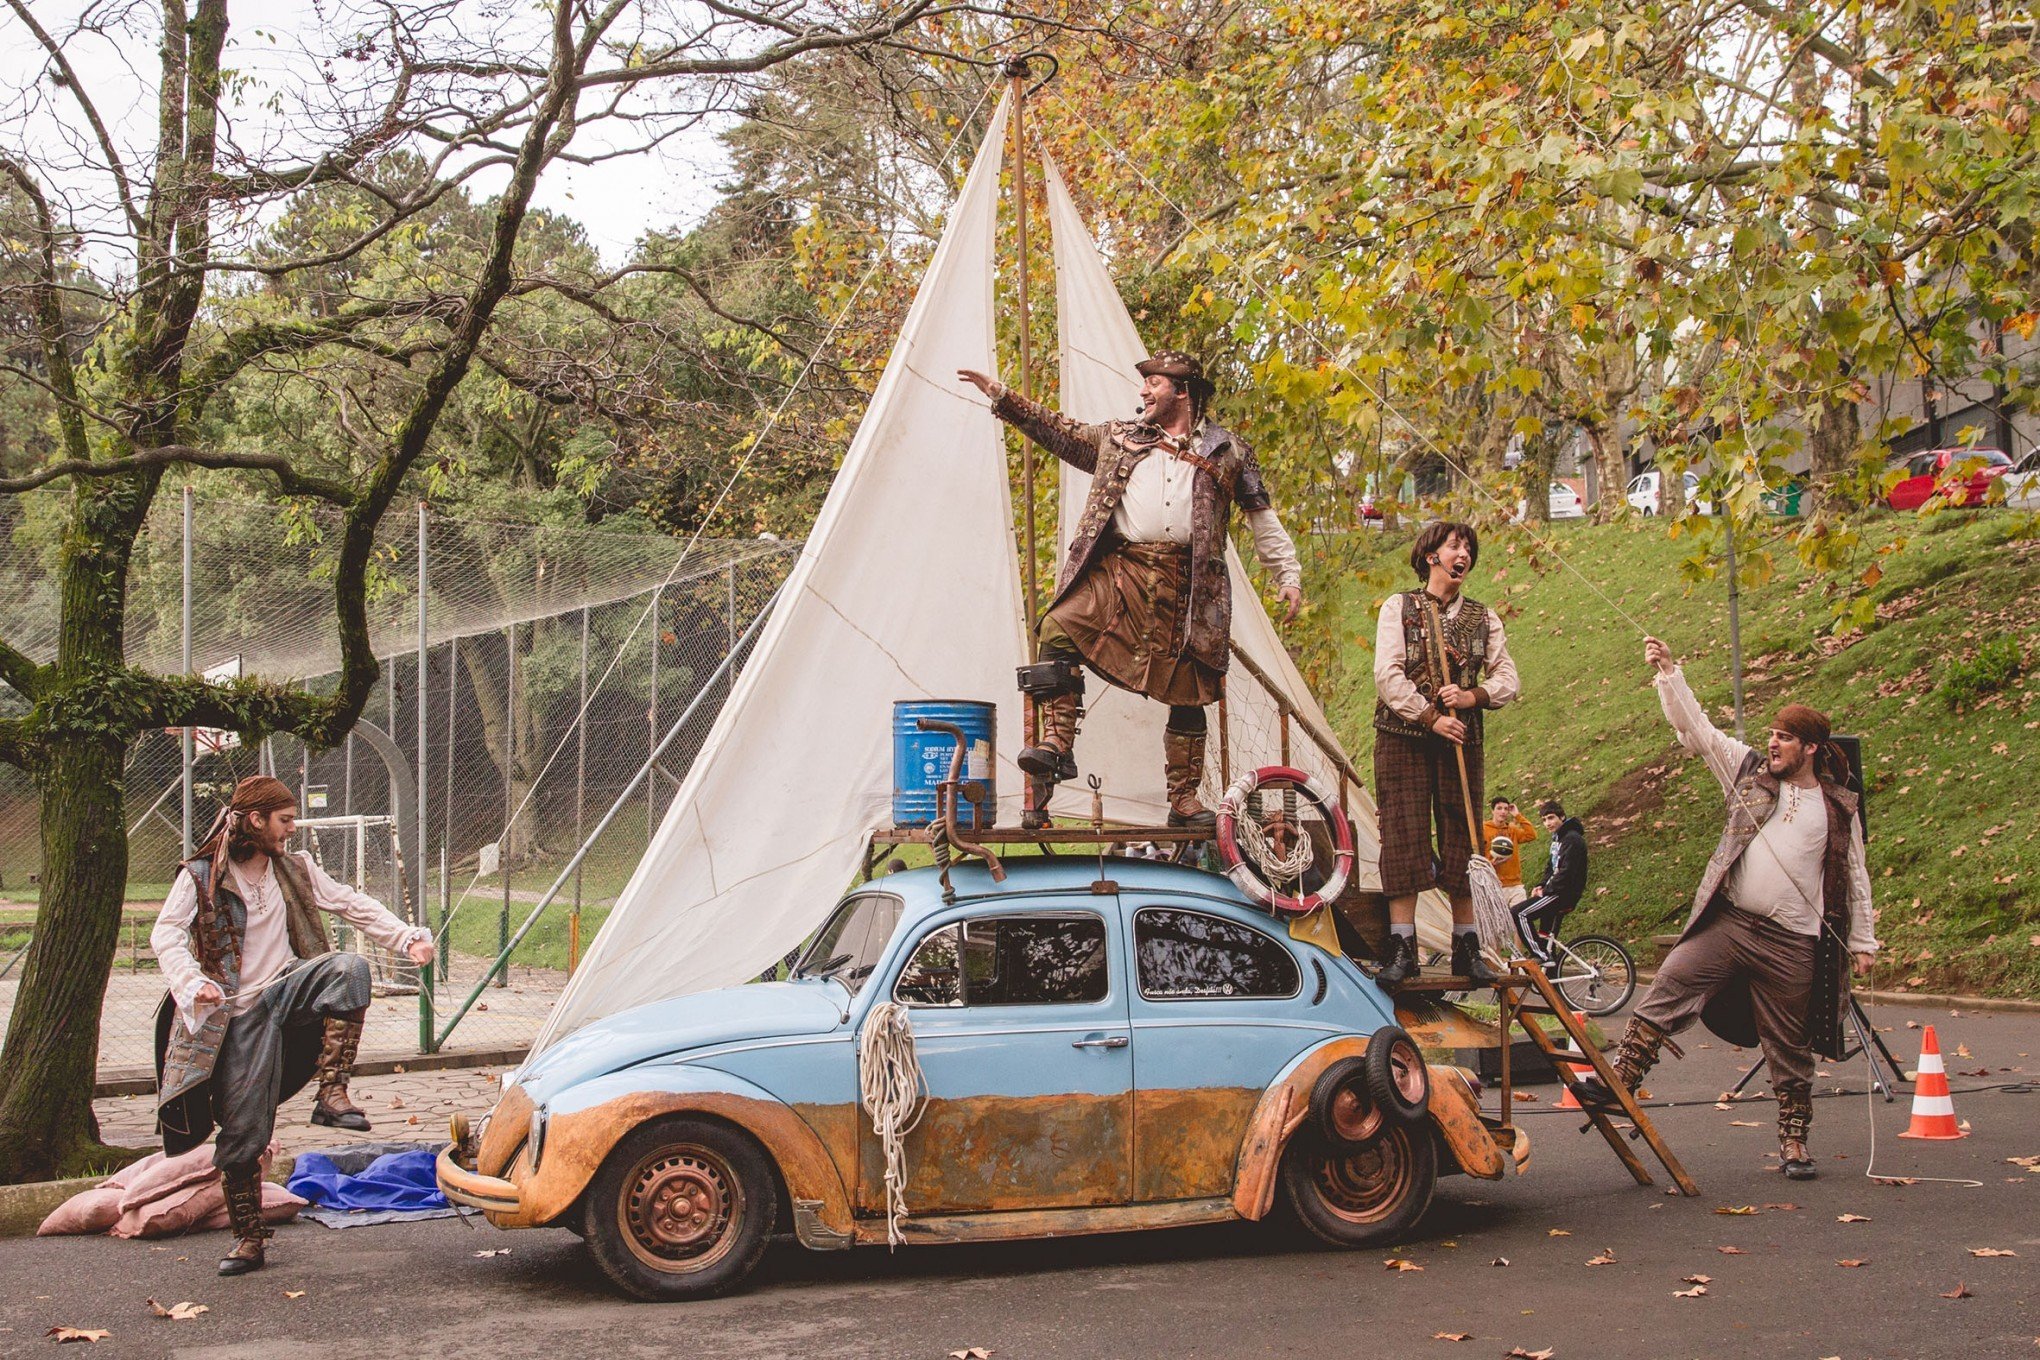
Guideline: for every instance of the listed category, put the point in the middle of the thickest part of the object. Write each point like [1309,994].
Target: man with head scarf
[258,1000]
[1784,901]
[1144,598]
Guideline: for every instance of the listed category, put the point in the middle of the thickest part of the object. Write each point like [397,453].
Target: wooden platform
[1087,833]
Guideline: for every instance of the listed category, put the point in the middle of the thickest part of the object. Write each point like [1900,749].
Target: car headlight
[534,1141]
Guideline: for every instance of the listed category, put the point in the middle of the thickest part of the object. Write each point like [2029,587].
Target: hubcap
[680,1208]
[1353,1117]
[1369,1185]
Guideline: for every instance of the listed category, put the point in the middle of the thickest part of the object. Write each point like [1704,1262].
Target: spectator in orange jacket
[1505,823]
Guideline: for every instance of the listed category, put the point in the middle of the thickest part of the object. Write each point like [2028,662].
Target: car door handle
[1113,1041]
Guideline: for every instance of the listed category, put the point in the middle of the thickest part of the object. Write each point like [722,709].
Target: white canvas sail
[1121,740]
[907,588]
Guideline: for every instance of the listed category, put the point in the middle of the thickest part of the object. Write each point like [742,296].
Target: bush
[1990,670]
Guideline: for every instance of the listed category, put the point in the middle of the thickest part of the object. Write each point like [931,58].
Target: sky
[270,46]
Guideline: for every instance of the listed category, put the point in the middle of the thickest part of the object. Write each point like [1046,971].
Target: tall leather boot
[1635,1055]
[1183,768]
[244,1218]
[1795,1118]
[336,1066]
[1053,756]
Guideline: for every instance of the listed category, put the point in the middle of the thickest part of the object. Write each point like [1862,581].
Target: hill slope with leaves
[1942,689]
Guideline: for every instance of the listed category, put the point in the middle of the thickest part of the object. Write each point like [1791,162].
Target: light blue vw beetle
[1143,1049]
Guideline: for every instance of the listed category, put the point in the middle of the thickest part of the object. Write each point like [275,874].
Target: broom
[1491,915]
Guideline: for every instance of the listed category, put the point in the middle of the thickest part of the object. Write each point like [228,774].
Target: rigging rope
[893,1092]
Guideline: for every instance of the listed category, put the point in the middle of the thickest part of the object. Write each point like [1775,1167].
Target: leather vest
[1466,641]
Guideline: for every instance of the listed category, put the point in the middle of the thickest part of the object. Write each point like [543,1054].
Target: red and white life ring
[1249,877]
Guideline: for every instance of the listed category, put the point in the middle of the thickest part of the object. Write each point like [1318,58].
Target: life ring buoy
[1251,878]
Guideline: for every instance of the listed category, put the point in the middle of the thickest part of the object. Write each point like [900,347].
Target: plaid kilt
[1421,813]
[1128,615]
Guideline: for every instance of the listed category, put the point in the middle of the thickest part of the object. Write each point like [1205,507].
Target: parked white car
[1565,503]
[2022,483]
[1643,493]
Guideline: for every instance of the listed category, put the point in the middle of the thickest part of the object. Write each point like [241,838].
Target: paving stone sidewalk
[403,1107]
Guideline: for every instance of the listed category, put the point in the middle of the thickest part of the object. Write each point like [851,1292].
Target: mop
[1491,915]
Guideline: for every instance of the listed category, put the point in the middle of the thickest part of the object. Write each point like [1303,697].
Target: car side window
[1008,961]
[934,975]
[1184,954]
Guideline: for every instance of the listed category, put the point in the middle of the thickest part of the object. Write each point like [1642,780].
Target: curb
[141,1081]
[24,1207]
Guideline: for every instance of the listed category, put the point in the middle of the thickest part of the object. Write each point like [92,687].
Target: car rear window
[1181,954]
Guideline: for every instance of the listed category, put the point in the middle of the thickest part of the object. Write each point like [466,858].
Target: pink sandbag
[160,1197]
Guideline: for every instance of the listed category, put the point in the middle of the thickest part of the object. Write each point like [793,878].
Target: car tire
[681,1209]
[1342,1110]
[1361,1198]
[1397,1080]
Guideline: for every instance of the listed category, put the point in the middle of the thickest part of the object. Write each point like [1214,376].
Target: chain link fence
[553,661]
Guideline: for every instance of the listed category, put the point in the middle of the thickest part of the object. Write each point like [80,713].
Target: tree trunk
[509,744]
[1608,499]
[1829,445]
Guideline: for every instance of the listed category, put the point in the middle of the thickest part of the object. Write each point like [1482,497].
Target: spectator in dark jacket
[1565,880]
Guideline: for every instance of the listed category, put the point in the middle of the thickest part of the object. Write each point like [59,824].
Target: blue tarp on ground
[368,1178]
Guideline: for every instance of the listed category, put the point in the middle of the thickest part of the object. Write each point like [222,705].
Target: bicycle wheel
[1595,975]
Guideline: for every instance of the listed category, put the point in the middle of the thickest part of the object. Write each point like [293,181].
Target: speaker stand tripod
[1884,1068]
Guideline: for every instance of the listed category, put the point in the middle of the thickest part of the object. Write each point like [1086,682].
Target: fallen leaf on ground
[1558,1232]
[970,1353]
[1783,1208]
[1518,1353]
[1697,1279]
[1452,1336]
[1606,1258]
[1526,1095]
[1499,1261]
[1851,1264]
[1744,1124]
[1896,1180]
[1991,1251]
[63,1334]
[1695,1292]
[1853,1218]
[1739,1209]
[396,1102]
[492,1251]
[1731,1251]
[1962,1051]
[293,1293]
[1721,1105]
[182,1312]
[1398,1263]
[1960,1291]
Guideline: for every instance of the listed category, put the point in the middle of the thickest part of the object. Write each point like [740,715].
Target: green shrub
[1990,670]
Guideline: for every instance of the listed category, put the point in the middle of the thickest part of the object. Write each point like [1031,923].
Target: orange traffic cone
[1581,1071]
[1933,1111]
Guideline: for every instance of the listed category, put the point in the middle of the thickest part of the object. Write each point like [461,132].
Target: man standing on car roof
[1784,901]
[1145,599]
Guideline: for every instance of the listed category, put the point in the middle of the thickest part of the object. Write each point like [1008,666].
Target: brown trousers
[1779,966]
[1416,788]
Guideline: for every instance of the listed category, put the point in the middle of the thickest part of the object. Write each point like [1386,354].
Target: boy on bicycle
[1565,879]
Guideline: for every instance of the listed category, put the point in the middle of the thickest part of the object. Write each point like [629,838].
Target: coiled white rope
[893,1092]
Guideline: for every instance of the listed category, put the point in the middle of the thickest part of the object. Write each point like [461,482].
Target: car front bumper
[490,1194]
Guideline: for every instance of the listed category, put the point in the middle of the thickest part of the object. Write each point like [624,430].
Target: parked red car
[1925,472]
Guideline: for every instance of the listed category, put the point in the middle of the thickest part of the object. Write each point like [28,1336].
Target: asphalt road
[1240,1290]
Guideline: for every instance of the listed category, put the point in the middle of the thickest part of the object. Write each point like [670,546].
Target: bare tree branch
[85,104]
[288,477]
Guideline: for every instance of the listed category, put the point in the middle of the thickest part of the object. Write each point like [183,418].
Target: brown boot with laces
[1634,1056]
[1183,768]
[1795,1118]
[334,1108]
[244,1218]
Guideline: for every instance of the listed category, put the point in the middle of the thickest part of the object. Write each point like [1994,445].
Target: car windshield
[850,946]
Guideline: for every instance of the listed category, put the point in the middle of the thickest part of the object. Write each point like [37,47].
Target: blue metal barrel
[921,761]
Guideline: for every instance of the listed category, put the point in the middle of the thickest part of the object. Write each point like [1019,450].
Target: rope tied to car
[893,1092]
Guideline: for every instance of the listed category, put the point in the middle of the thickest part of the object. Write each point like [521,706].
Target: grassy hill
[1954,819]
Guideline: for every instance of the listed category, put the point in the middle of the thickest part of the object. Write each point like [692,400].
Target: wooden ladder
[1526,975]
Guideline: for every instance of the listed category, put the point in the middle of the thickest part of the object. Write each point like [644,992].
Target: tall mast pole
[1016,75]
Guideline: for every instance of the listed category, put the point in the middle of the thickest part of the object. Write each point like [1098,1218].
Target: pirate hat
[1174,363]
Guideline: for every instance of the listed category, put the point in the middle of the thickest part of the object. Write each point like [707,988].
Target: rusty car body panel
[1160,1087]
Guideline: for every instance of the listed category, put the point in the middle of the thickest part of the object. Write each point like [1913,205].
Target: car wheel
[681,1209]
[1397,1080]
[1341,1110]
[1358,1198]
